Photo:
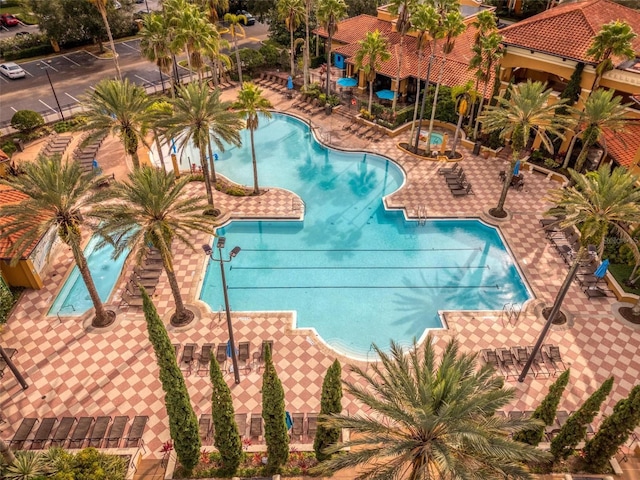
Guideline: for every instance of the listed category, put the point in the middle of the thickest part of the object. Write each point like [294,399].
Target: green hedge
[28,52]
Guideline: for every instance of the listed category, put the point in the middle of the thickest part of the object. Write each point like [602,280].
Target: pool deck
[72,372]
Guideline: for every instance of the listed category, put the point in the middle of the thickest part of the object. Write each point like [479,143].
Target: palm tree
[214,8]
[251,104]
[613,40]
[487,54]
[464,96]
[526,110]
[601,111]
[199,116]
[157,111]
[451,25]
[597,202]
[372,52]
[404,10]
[235,30]
[118,108]
[431,419]
[291,12]
[307,17]
[101,5]
[153,209]
[328,14]
[155,44]
[56,196]
[191,32]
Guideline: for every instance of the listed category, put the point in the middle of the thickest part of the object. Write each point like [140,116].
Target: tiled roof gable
[624,145]
[9,196]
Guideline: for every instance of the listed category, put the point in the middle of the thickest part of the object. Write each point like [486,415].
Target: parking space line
[51,67]
[48,106]
[13,109]
[143,79]
[132,48]
[72,97]
[5,80]
[30,74]
[67,58]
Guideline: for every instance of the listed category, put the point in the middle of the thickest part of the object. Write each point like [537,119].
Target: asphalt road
[73,74]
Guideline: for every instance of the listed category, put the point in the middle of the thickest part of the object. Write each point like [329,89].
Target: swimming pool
[73,299]
[352,270]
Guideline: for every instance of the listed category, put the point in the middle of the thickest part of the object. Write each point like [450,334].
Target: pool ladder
[422,214]
[511,311]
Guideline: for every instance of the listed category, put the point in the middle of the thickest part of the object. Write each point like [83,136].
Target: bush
[273,413]
[330,403]
[251,60]
[9,148]
[28,52]
[26,121]
[315,62]
[8,298]
[270,53]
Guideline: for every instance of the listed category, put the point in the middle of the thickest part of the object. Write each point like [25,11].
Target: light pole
[45,66]
[232,344]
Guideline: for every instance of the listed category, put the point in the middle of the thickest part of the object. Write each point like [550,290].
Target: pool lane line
[497,287]
[476,249]
[361,268]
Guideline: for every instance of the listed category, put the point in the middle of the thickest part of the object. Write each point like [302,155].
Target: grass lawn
[621,274]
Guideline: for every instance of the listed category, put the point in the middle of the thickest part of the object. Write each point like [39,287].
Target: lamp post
[232,344]
[45,66]
[12,367]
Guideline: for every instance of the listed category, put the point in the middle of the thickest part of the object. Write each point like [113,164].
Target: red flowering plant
[167,447]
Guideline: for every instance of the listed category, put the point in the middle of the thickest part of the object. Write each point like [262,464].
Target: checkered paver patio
[78,372]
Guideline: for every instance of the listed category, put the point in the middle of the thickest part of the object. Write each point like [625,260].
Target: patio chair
[134,291]
[147,283]
[520,354]
[188,354]
[99,431]
[561,417]
[348,126]
[455,183]
[595,292]
[113,438]
[457,174]
[312,425]
[136,431]
[244,355]
[490,358]
[59,438]
[462,192]
[43,433]
[258,357]
[298,426]
[147,274]
[508,361]
[221,353]
[204,426]
[205,358]
[80,433]
[10,352]
[538,362]
[255,428]
[241,421]
[445,170]
[516,415]
[552,353]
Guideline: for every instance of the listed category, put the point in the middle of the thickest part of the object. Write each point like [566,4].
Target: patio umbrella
[228,349]
[516,168]
[602,269]
[290,83]
[289,420]
[347,82]
[385,94]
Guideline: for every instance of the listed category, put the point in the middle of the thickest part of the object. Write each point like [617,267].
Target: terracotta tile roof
[355,28]
[456,70]
[623,146]
[8,196]
[568,29]
[3,156]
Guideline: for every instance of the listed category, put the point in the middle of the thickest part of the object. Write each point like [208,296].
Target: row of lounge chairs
[85,153]
[224,83]
[365,131]
[147,275]
[56,145]
[192,361]
[273,82]
[303,430]
[10,353]
[71,432]
[456,180]
[309,105]
[510,361]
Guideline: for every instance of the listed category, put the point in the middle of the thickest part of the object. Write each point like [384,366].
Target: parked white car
[12,70]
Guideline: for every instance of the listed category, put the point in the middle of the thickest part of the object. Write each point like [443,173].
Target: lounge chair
[539,366]
[508,361]
[458,182]
[136,431]
[99,431]
[348,126]
[298,424]
[116,431]
[244,355]
[18,440]
[79,435]
[10,352]
[594,292]
[552,353]
[204,361]
[312,425]
[561,417]
[490,358]
[43,433]
[134,290]
[147,283]
[241,421]
[188,354]
[457,174]
[221,353]
[59,438]
[462,192]
[204,426]
[176,348]
[142,273]
[258,357]
[255,428]
[445,170]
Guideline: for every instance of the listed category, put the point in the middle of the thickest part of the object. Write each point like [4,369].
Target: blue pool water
[73,299]
[352,270]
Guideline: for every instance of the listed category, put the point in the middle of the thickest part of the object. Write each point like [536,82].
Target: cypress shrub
[572,91]
[330,403]
[273,413]
[546,412]
[225,430]
[26,121]
[575,430]
[183,424]
[613,432]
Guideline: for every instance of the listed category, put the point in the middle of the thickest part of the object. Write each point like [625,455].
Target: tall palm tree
[487,54]
[291,12]
[526,110]
[403,9]
[307,19]
[191,30]
[214,8]
[251,104]
[57,196]
[155,44]
[328,14]
[464,96]
[452,25]
[613,40]
[101,5]
[118,108]
[157,111]
[153,209]
[198,116]
[235,23]
[372,52]
[431,419]
[601,111]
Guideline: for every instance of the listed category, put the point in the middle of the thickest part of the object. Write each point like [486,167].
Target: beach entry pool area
[73,299]
[353,271]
